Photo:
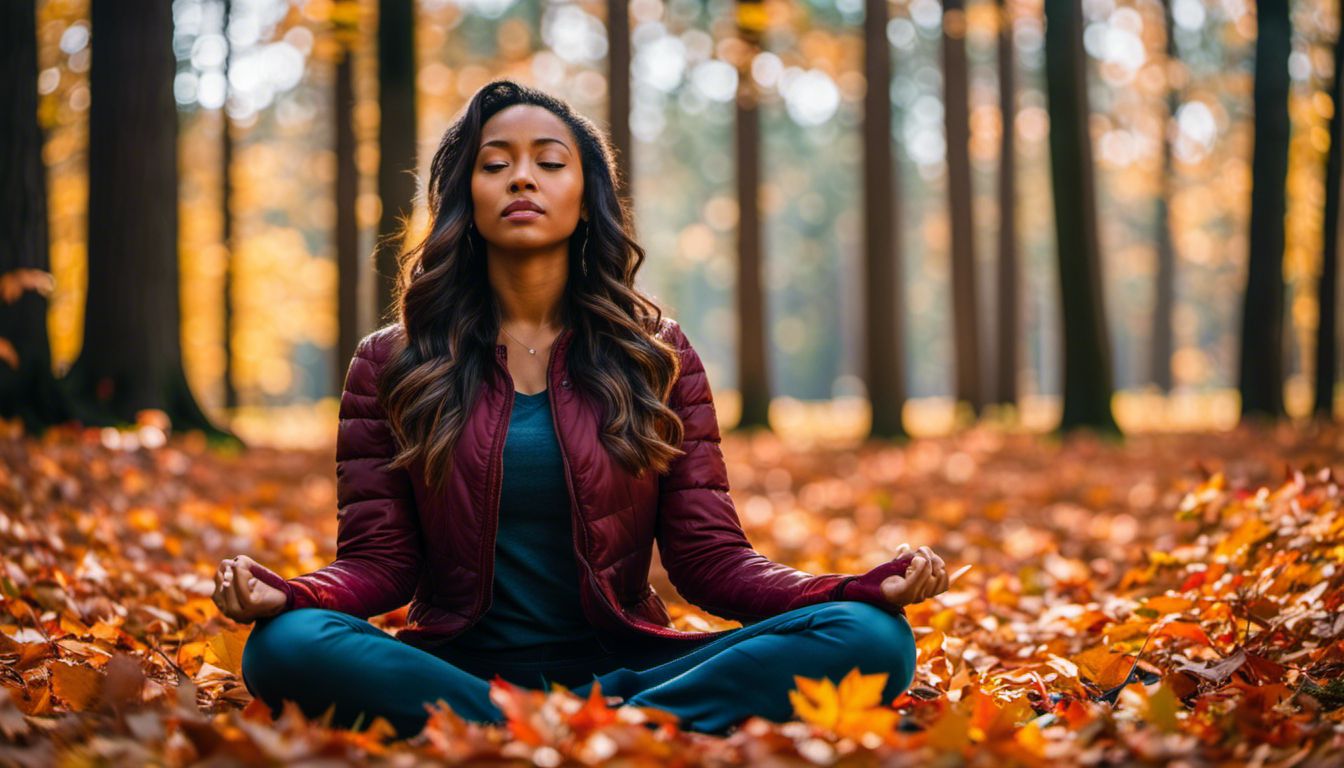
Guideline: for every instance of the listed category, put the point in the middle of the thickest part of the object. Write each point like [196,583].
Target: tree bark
[28,389]
[226,214]
[1087,356]
[618,93]
[1261,374]
[132,354]
[1327,332]
[960,200]
[396,140]
[883,348]
[752,361]
[1005,379]
[1164,282]
[347,224]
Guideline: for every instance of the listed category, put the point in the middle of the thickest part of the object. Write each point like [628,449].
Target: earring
[583,252]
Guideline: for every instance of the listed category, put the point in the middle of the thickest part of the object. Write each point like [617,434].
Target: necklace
[530,350]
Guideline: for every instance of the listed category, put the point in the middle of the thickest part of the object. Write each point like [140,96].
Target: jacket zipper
[496,467]
[583,561]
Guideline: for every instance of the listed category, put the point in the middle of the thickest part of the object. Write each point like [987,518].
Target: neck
[529,287]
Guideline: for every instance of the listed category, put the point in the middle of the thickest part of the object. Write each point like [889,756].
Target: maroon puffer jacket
[397,542]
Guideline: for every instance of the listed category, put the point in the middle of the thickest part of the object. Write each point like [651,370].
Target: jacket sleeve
[700,539]
[378,545]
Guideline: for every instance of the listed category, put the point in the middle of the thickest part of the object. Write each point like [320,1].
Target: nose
[522,177]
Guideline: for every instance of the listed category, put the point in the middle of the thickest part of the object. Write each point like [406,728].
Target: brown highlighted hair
[451,319]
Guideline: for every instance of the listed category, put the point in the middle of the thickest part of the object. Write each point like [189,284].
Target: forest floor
[1158,599]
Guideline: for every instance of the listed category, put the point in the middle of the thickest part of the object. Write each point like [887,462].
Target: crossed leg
[320,658]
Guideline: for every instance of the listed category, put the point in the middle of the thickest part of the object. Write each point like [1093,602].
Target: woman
[507,455]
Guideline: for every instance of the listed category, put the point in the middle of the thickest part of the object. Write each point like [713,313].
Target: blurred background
[927,256]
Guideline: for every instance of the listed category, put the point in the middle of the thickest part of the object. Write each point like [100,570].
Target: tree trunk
[28,390]
[347,224]
[753,366]
[1087,356]
[226,214]
[618,93]
[1327,338]
[956,113]
[132,354]
[1005,379]
[1164,283]
[396,140]
[1261,379]
[882,255]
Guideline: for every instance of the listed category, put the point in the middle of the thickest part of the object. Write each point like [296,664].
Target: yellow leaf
[225,650]
[816,701]
[1162,707]
[860,690]
[852,709]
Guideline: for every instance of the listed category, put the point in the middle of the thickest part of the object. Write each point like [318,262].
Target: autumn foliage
[1168,598]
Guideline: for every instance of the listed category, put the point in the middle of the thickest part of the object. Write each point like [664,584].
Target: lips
[521,205]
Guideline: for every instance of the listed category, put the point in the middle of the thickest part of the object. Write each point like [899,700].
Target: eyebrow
[507,143]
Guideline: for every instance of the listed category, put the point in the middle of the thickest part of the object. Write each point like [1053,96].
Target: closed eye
[496,166]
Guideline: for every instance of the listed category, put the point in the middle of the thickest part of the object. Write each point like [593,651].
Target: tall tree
[132,354]
[753,366]
[1164,283]
[1087,355]
[883,345]
[618,92]
[957,119]
[28,388]
[346,30]
[1005,379]
[1261,378]
[226,213]
[1327,330]
[396,139]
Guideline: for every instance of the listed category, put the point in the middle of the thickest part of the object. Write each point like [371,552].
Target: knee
[878,641]
[280,646]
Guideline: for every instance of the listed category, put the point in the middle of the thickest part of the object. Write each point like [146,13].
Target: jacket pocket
[651,607]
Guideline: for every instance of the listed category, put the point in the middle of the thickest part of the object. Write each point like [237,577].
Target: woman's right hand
[242,596]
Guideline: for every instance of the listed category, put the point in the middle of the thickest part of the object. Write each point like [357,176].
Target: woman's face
[527,153]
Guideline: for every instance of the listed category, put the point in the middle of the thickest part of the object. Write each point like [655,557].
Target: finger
[921,580]
[231,608]
[242,590]
[939,582]
[220,588]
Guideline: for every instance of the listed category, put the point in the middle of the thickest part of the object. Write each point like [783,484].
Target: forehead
[525,124]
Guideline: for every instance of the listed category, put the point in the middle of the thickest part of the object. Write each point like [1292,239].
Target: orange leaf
[1187,630]
[77,686]
[594,713]
[225,650]
[852,709]
[1103,667]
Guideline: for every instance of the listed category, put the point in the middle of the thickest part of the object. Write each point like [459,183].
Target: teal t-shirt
[535,612]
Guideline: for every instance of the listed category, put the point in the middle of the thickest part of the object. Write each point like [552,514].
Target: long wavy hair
[451,319]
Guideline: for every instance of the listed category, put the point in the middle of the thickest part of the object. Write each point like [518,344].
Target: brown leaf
[76,685]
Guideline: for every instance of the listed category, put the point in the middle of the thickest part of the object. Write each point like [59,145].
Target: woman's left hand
[925,577]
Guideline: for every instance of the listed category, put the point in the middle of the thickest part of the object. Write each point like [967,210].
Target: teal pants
[319,658]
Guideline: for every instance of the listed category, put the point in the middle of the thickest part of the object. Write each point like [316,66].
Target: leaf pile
[1169,598]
